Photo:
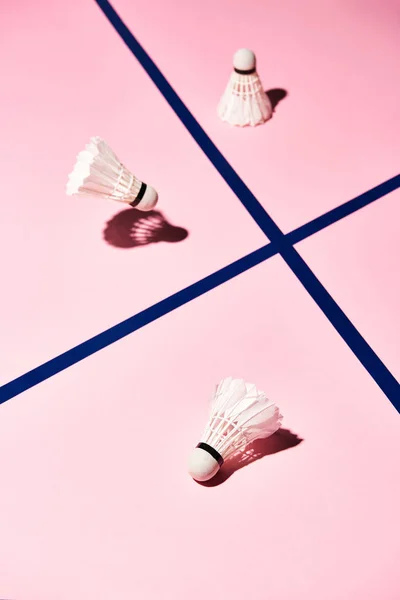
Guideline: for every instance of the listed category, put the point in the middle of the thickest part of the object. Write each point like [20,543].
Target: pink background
[95,499]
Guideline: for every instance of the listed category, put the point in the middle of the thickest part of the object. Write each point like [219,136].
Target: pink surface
[337,132]
[62,283]
[96,502]
[95,499]
[357,260]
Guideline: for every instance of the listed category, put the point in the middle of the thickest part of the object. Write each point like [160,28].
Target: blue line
[344,210]
[104,339]
[368,358]
[117,332]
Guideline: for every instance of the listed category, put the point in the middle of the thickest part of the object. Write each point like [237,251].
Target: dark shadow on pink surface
[131,228]
[283,439]
[275,96]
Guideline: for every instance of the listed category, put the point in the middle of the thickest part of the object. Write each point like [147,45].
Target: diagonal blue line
[365,354]
[343,210]
[108,337]
[117,332]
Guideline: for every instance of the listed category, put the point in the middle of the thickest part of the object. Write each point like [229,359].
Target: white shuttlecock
[240,414]
[244,101]
[99,172]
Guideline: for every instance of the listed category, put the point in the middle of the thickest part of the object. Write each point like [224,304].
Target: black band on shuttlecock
[140,195]
[241,72]
[216,455]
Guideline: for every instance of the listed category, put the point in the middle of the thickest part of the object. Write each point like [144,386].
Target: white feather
[244,102]
[240,414]
[99,172]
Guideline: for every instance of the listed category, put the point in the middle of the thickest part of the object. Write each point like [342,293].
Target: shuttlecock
[244,101]
[240,414]
[99,172]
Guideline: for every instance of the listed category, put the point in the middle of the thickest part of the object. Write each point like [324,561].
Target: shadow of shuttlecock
[130,229]
[275,96]
[283,439]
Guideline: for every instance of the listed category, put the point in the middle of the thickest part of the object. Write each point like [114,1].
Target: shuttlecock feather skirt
[99,172]
[244,102]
